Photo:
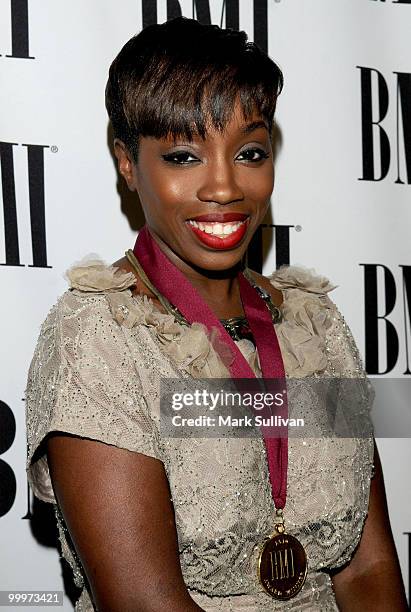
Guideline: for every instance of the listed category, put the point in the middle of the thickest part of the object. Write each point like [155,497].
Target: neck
[219,288]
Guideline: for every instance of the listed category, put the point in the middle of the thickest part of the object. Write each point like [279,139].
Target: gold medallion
[282,565]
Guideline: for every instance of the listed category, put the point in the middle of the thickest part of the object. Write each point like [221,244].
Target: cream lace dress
[95,373]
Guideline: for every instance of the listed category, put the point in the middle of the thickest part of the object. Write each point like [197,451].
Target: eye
[182,158]
[254,154]
[179,158]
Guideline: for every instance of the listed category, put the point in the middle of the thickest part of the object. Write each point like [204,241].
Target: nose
[219,184]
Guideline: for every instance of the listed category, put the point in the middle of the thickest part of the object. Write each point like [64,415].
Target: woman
[150,522]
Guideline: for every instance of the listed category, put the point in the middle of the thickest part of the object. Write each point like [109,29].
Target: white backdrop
[342,222]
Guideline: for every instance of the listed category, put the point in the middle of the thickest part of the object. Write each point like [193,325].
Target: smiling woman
[196,520]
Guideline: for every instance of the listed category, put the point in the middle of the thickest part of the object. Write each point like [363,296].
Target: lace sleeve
[345,363]
[83,380]
[344,358]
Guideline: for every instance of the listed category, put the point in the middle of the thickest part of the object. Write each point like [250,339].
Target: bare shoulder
[265,283]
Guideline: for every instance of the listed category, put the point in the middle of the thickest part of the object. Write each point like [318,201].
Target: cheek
[165,190]
[259,186]
[268,178]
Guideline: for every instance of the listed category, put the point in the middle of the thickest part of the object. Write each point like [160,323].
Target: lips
[219,242]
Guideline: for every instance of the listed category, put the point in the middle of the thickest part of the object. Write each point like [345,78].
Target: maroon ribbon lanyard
[178,290]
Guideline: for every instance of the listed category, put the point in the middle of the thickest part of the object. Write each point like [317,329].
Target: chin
[218,262]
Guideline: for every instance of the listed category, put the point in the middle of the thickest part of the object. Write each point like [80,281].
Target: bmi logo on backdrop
[377,143]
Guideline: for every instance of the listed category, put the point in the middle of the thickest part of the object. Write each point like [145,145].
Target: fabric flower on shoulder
[192,347]
[306,311]
[93,275]
[300,277]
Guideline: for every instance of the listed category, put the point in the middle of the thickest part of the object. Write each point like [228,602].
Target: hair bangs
[176,90]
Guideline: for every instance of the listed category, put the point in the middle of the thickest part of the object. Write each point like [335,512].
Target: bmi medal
[282,563]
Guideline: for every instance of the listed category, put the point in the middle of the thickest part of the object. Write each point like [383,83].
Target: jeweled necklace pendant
[282,565]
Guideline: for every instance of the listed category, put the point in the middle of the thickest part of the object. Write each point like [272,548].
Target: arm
[372,581]
[117,507]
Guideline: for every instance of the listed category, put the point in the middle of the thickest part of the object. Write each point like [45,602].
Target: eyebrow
[254,125]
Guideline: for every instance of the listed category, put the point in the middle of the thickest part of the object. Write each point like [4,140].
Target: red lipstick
[215,242]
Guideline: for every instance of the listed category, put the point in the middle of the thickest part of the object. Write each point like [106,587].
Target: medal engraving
[282,566]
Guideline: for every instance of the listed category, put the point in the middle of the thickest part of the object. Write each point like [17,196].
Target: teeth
[217,229]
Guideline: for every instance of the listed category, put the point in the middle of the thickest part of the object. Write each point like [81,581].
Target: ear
[125,163]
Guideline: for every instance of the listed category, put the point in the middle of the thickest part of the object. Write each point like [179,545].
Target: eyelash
[169,158]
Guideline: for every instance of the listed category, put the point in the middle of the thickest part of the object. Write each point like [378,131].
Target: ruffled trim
[93,275]
[192,347]
[306,317]
[299,277]
[306,311]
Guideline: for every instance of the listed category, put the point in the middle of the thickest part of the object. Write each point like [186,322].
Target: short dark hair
[175,75]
